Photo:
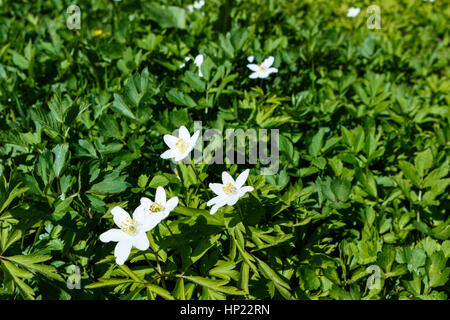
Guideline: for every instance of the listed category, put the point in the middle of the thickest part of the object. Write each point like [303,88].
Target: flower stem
[158,270]
[201,182]
[170,231]
[240,212]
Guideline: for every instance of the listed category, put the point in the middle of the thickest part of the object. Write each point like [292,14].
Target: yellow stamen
[181,145]
[156,207]
[130,227]
[229,188]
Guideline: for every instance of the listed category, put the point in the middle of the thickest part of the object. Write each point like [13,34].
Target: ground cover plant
[96,108]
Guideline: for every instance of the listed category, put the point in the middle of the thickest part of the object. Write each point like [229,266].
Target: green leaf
[217,285]
[316,143]
[142,181]
[410,172]
[158,181]
[194,81]
[119,105]
[203,247]
[60,152]
[16,192]
[438,273]
[107,283]
[160,291]
[423,162]
[269,274]
[112,183]
[166,16]
[180,99]
[130,273]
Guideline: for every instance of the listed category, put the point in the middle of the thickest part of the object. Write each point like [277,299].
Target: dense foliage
[363,119]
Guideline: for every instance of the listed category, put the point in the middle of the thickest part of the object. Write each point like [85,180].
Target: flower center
[156,207]
[261,67]
[181,145]
[229,188]
[130,227]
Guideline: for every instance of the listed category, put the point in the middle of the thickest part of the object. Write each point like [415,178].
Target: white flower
[132,232]
[180,146]
[196,5]
[353,12]
[184,64]
[229,191]
[263,69]
[198,62]
[158,210]
[199,4]
[250,59]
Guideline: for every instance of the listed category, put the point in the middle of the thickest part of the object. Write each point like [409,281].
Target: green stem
[151,264]
[170,231]
[240,212]
[201,182]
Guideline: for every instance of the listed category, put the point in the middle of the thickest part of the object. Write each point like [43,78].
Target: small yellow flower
[99,32]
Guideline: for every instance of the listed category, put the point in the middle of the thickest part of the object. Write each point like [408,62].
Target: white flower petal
[151,221]
[141,241]
[218,202]
[198,60]
[194,138]
[171,204]
[265,73]
[119,216]
[122,251]
[272,70]
[244,190]
[140,213]
[250,59]
[160,196]
[242,178]
[214,200]
[146,202]
[181,156]
[226,178]
[184,134]
[268,62]
[215,208]
[254,75]
[231,201]
[253,67]
[170,140]
[353,12]
[171,153]
[115,235]
[216,188]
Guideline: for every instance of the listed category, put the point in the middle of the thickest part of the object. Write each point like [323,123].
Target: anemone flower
[262,70]
[229,191]
[181,146]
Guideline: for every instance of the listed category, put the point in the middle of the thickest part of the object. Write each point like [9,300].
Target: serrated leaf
[119,105]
